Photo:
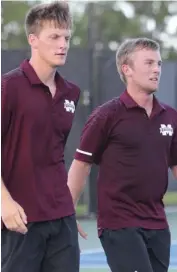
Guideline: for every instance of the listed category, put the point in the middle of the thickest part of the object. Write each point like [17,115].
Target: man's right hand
[82,233]
[13,216]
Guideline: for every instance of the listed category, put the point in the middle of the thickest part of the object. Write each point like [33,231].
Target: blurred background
[99,28]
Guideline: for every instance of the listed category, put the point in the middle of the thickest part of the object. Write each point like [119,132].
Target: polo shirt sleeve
[5,108]
[173,153]
[93,138]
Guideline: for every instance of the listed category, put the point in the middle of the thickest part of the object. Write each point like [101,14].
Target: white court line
[100,250]
[92,251]
[96,267]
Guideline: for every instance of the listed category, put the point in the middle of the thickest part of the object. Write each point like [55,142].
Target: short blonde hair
[57,12]
[128,47]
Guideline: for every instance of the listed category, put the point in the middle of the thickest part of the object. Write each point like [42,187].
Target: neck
[143,99]
[45,73]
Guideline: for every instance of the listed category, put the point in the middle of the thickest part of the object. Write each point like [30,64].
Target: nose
[63,43]
[157,68]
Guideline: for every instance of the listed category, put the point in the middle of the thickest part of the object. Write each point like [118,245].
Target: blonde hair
[128,47]
[57,12]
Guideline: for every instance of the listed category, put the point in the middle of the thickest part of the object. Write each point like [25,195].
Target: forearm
[77,178]
[4,192]
[174,171]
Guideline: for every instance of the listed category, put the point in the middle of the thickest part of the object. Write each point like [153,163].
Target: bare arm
[4,192]
[13,215]
[93,139]
[174,171]
[77,177]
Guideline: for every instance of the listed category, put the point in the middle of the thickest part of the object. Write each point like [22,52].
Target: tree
[158,13]
[12,27]
[113,24]
[106,23]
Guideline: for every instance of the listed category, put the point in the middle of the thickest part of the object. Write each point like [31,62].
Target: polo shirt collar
[32,76]
[128,100]
[130,103]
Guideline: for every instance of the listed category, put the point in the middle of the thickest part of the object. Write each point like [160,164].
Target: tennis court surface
[93,258]
[96,260]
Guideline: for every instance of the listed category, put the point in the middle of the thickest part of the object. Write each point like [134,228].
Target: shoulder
[105,113]
[70,86]
[9,82]
[170,110]
[11,79]
[109,108]
[171,113]
[13,75]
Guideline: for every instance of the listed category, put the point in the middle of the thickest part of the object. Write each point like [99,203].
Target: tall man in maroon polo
[133,139]
[39,228]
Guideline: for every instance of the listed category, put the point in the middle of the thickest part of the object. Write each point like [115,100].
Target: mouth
[154,79]
[60,54]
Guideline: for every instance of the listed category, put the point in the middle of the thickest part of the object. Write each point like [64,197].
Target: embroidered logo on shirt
[166,130]
[69,106]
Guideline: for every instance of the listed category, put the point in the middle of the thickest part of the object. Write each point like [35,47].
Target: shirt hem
[152,226]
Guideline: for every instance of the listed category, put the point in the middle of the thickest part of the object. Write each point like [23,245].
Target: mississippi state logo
[69,106]
[166,130]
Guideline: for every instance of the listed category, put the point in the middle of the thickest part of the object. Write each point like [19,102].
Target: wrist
[5,196]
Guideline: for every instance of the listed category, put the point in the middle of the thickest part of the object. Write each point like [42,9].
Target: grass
[81,210]
[170,199]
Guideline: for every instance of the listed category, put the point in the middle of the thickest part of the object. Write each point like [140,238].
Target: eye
[67,38]
[149,62]
[160,63]
[54,37]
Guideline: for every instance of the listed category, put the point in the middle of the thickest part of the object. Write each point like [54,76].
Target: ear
[126,69]
[33,41]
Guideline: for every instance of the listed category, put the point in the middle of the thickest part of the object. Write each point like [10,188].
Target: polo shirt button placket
[48,92]
[145,115]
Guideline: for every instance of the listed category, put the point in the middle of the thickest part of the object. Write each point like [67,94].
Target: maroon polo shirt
[35,128]
[134,153]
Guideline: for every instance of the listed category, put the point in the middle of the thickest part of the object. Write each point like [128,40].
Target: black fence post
[93,89]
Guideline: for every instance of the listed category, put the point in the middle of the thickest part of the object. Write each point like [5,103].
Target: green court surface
[92,247]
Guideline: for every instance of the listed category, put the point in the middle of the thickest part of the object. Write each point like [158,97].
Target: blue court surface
[95,259]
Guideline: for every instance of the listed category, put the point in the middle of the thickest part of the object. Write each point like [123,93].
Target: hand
[82,233]
[13,216]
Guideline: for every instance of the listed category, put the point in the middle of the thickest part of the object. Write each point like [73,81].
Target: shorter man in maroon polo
[133,139]
[39,227]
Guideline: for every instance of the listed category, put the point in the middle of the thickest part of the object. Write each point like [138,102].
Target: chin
[59,63]
[151,91]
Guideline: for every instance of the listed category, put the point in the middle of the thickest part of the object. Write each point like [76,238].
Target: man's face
[145,69]
[51,44]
